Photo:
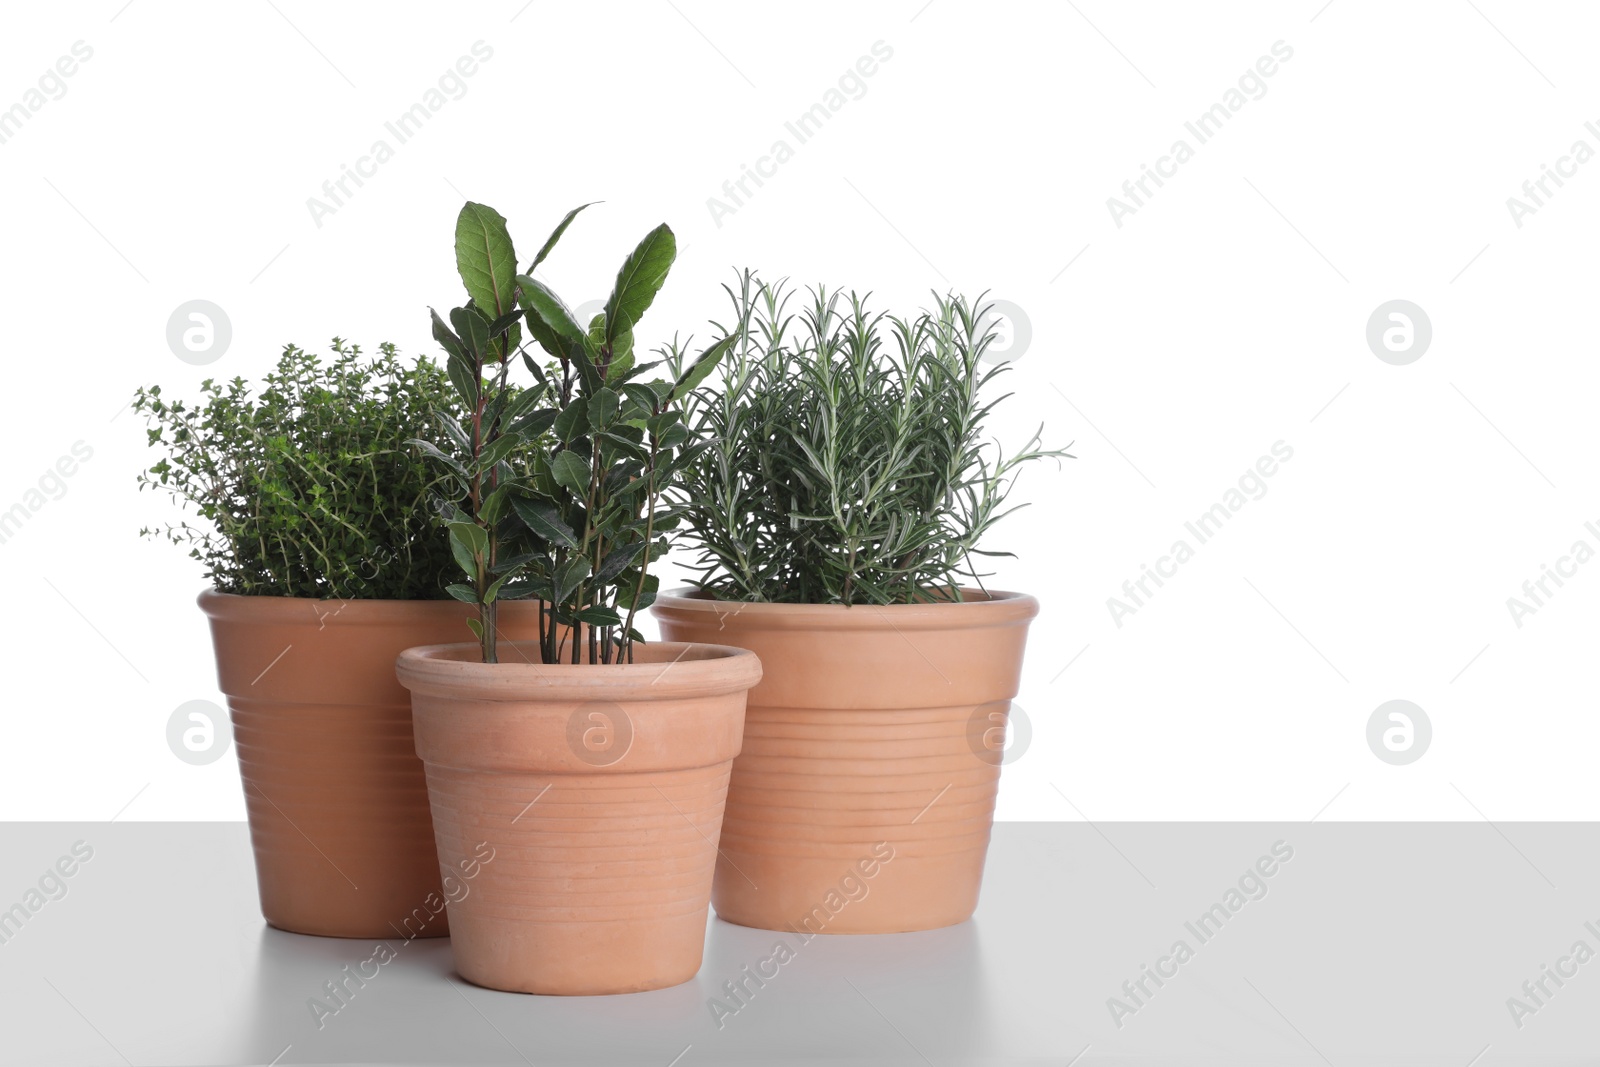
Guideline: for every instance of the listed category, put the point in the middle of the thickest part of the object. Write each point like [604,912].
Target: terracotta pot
[335,794]
[596,792]
[863,799]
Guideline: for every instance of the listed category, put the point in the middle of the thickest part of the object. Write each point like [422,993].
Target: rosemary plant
[847,461]
[580,528]
[311,488]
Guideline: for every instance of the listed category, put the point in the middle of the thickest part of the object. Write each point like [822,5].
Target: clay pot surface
[597,791]
[335,794]
[863,799]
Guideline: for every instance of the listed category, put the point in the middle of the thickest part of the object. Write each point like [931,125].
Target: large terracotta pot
[591,798]
[864,796]
[334,790]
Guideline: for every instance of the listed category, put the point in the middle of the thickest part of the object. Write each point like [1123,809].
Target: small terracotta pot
[335,794]
[596,791]
[864,796]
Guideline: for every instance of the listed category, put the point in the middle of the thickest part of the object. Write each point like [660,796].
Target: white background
[1227,314]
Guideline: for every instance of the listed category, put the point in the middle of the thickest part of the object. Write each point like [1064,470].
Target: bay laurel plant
[309,487]
[848,461]
[580,527]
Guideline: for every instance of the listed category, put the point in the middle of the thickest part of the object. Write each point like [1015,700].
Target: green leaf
[621,363]
[509,565]
[473,329]
[701,368]
[524,401]
[621,348]
[463,555]
[458,364]
[598,616]
[617,560]
[571,471]
[673,436]
[642,395]
[441,333]
[486,259]
[453,430]
[462,593]
[535,370]
[628,432]
[628,582]
[569,422]
[603,408]
[658,423]
[431,450]
[494,505]
[471,535]
[628,448]
[569,576]
[636,369]
[551,309]
[468,385]
[556,236]
[639,280]
[534,424]
[494,411]
[505,322]
[545,522]
[548,340]
[588,372]
[498,450]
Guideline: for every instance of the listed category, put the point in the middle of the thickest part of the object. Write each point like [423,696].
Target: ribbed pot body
[334,791]
[581,805]
[863,798]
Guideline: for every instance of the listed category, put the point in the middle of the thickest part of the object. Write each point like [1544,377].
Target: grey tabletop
[1126,943]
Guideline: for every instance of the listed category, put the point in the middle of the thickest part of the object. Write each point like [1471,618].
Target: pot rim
[236,606]
[683,669]
[993,607]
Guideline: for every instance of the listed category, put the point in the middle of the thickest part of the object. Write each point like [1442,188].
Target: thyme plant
[848,462]
[580,528]
[310,488]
